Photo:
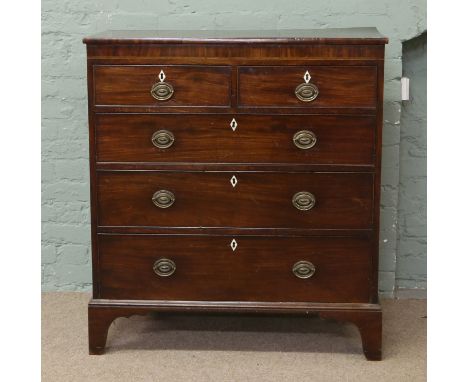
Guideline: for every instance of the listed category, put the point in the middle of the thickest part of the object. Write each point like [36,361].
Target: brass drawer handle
[162,91]
[304,139]
[306,92]
[163,198]
[303,269]
[164,267]
[163,139]
[303,200]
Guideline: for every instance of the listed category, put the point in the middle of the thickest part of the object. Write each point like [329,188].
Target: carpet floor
[229,348]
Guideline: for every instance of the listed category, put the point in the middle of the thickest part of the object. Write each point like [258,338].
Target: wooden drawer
[256,139]
[130,85]
[259,199]
[260,268]
[338,86]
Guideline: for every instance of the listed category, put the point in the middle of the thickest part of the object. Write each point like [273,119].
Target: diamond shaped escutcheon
[162,76]
[233,244]
[233,124]
[233,181]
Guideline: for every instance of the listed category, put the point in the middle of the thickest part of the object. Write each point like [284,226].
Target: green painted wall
[411,267]
[65,198]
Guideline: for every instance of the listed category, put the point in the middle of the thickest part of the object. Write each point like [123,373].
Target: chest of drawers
[236,172]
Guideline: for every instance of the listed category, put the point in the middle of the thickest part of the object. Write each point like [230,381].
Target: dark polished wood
[369,325]
[239,54]
[367,317]
[207,138]
[259,200]
[208,268]
[131,85]
[348,36]
[251,77]
[339,86]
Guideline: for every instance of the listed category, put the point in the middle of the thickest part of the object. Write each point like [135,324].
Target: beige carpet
[178,348]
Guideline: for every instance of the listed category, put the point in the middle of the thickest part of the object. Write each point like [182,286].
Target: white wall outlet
[404,88]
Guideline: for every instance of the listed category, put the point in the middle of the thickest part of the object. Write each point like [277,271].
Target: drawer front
[244,199]
[337,86]
[260,268]
[247,139]
[131,85]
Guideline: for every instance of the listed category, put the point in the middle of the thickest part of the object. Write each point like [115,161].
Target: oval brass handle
[164,267]
[163,198]
[162,91]
[163,139]
[303,200]
[306,92]
[305,139]
[303,269]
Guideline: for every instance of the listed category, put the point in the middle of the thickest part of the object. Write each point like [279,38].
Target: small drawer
[191,138]
[242,199]
[308,86]
[158,86]
[185,268]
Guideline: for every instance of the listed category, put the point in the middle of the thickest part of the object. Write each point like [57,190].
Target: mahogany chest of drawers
[236,172]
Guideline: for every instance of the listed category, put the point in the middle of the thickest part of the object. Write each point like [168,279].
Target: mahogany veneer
[207,267]
[340,86]
[236,172]
[259,199]
[128,85]
[261,139]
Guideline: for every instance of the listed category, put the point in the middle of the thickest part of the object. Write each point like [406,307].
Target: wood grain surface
[208,138]
[208,269]
[339,86]
[208,199]
[131,85]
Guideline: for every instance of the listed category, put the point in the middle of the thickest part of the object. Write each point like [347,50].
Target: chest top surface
[349,36]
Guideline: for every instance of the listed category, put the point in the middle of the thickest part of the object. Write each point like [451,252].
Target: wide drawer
[322,139]
[131,85]
[242,199]
[282,86]
[259,269]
